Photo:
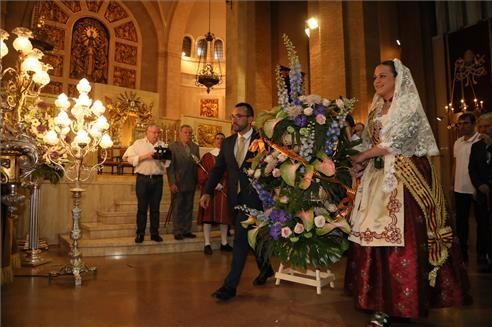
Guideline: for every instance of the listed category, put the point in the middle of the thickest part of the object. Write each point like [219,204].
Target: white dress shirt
[461,150]
[149,166]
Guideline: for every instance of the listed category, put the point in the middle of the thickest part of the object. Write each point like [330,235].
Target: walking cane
[170,210]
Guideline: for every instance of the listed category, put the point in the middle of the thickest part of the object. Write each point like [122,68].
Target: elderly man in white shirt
[149,185]
[463,187]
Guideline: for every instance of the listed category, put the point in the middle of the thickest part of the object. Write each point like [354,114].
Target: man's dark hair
[391,65]
[469,116]
[249,108]
[219,133]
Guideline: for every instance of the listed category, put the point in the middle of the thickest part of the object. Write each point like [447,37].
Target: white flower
[268,158]
[286,232]
[319,221]
[332,207]
[299,228]
[294,111]
[284,199]
[282,157]
[340,103]
[313,99]
[326,102]
[276,173]
[308,111]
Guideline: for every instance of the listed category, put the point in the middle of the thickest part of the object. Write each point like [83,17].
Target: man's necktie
[241,147]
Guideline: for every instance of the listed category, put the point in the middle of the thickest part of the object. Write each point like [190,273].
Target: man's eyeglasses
[238,116]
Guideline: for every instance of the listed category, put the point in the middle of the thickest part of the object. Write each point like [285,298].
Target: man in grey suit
[182,179]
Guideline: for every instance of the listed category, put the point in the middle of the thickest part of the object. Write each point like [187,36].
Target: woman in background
[218,211]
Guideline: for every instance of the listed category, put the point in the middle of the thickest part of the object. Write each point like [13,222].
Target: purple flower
[275,231]
[280,216]
[300,121]
[319,109]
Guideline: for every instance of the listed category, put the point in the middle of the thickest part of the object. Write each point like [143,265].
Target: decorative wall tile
[115,12]
[209,108]
[125,53]
[127,31]
[124,77]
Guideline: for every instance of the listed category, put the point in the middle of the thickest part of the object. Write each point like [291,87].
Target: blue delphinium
[300,121]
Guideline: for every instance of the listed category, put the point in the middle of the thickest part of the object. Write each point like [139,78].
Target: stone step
[128,217]
[103,230]
[131,205]
[127,245]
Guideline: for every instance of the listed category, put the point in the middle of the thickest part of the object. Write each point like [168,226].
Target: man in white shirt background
[463,187]
[149,185]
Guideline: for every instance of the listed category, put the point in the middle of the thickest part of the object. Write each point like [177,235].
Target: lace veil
[406,130]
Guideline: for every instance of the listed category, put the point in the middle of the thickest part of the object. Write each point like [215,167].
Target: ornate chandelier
[466,72]
[205,74]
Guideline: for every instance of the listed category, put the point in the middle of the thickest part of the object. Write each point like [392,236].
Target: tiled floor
[174,290]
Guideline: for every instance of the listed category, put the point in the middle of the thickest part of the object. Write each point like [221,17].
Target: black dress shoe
[156,238]
[226,248]
[189,235]
[207,250]
[178,237]
[224,293]
[263,276]
[139,238]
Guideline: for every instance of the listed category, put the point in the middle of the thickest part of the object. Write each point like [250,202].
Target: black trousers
[463,202]
[149,193]
[240,253]
[484,217]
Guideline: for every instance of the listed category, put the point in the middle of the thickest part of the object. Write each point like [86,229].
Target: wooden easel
[315,278]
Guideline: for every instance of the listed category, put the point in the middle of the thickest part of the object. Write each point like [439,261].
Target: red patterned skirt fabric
[394,280]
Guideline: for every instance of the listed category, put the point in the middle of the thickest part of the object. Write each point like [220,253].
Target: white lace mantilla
[406,130]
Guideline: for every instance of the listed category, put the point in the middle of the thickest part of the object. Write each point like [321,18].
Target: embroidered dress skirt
[395,279]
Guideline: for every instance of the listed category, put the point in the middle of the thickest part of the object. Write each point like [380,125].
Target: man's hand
[484,188]
[204,201]
[174,188]
[146,156]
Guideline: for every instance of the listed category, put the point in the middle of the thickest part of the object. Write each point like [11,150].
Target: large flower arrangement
[301,172]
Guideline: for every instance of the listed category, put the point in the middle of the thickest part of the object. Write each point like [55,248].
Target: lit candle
[51,138]
[62,102]
[31,64]
[83,86]
[98,108]
[22,44]
[62,119]
[106,141]
[3,49]
[82,138]
[102,123]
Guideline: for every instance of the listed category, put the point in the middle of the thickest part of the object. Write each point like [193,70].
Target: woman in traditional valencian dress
[218,211]
[404,257]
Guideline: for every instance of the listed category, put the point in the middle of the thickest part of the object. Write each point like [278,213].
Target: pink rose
[299,228]
[286,232]
[321,119]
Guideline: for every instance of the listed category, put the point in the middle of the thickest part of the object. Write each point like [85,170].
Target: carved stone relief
[56,36]
[72,91]
[125,53]
[115,12]
[127,31]
[57,62]
[53,88]
[206,134]
[51,11]
[209,108]
[94,5]
[90,47]
[73,5]
[124,77]
[128,106]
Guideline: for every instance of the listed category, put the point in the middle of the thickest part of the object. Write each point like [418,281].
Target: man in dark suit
[233,158]
[480,170]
